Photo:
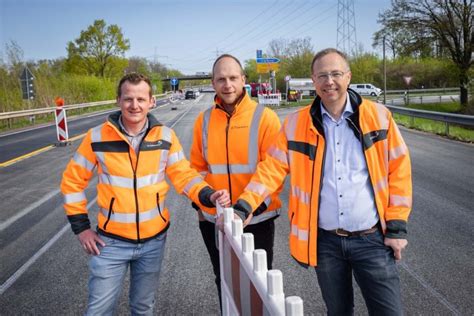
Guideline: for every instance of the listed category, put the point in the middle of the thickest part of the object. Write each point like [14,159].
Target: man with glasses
[351,191]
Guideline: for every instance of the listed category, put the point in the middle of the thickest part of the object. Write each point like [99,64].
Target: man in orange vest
[230,139]
[351,190]
[133,153]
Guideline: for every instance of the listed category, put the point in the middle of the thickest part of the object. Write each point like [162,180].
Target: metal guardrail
[447,118]
[33,112]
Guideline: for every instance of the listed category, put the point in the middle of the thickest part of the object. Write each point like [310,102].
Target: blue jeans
[374,268]
[108,270]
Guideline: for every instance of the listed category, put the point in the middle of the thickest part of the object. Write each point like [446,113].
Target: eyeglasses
[335,75]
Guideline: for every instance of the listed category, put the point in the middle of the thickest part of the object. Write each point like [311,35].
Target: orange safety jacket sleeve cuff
[242,208]
[205,196]
[396,229]
[79,223]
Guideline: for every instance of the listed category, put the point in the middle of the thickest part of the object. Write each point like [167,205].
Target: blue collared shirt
[347,199]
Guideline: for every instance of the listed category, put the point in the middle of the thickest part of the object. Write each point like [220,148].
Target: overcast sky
[183,34]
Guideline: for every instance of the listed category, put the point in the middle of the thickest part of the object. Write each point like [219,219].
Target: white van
[366,89]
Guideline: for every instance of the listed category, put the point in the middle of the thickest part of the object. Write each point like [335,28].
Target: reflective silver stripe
[278,154]
[150,180]
[116,181]
[253,137]
[166,133]
[267,202]
[256,219]
[203,173]
[382,113]
[398,200]
[300,194]
[290,126]
[257,188]
[123,182]
[301,234]
[397,152]
[191,183]
[290,130]
[96,137]
[264,216]
[74,197]
[83,162]
[175,157]
[381,185]
[209,217]
[234,168]
[132,217]
[205,131]
[252,146]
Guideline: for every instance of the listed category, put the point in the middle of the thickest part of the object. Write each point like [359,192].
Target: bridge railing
[247,287]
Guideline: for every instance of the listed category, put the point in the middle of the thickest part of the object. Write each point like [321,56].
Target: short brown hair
[227,56]
[327,51]
[133,78]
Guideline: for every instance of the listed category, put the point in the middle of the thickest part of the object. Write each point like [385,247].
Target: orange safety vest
[132,187]
[227,148]
[300,151]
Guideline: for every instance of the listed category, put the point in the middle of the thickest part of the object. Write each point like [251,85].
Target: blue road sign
[174,81]
[267,60]
[259,53]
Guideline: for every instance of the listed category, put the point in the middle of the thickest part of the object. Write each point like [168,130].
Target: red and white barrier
[248,288]
[269,99]
[61,122]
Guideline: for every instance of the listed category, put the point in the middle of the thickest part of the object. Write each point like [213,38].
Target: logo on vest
[155,144]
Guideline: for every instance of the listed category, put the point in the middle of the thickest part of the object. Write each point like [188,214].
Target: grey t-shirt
[134,140]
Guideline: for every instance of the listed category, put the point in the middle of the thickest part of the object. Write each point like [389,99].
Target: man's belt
[344,233]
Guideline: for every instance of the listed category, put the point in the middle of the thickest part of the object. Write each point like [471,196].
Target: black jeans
[263,233]
[374,269]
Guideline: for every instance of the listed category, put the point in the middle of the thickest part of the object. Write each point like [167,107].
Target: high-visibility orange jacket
[227,148]
[300,150]
[131,186]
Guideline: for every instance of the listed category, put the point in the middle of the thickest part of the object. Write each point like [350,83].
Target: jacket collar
[244,99]
[115,117]
[316,115]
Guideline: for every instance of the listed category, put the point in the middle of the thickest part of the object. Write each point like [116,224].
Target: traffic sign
[259,53]
[287,78]
[266,68]
[407,79]
[27,87]
[174,81]
[267,60]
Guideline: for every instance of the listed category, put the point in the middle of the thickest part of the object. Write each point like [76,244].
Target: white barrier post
[247,287]
[61,123]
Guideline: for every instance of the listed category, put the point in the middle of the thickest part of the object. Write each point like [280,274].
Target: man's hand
[397,245]
[89,240]
[222,197]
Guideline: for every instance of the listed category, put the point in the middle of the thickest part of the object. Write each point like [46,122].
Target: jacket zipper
[158,204]
[312,187]
[227,155]
[111,211]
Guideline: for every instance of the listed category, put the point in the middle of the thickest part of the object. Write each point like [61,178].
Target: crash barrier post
[61,123]
[247,287]
[269,99]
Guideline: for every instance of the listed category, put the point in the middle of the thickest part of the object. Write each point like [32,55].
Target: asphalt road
[43,271]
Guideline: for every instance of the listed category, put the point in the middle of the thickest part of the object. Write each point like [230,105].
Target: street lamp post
[384,74]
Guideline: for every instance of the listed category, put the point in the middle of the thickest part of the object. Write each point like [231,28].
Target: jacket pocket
[111,211]
[158,205]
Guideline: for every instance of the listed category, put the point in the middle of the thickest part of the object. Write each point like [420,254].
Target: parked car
[190,95]
[366,89]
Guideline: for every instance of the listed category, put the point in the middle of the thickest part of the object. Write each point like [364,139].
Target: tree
[98,48]
[448,23]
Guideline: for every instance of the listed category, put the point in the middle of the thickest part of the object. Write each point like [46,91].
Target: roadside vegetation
[420,43]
